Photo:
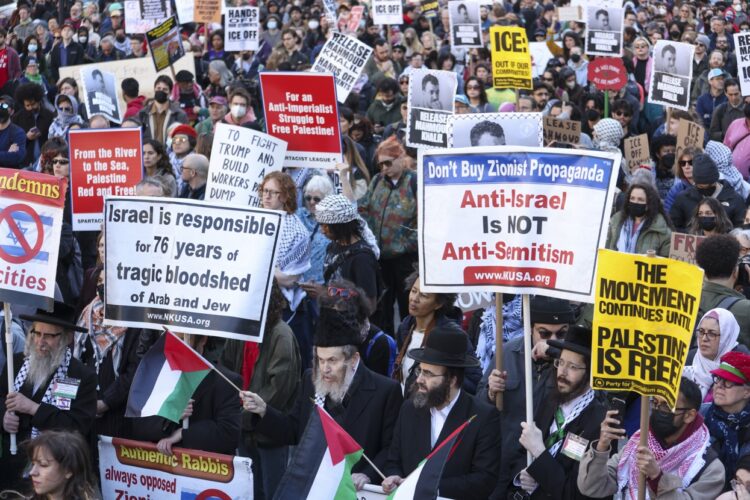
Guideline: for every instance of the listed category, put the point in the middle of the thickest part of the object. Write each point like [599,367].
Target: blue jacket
[678,187]
[706,104]
[13,134]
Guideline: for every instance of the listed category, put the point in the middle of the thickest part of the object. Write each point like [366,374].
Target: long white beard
[334,390]
[42,367]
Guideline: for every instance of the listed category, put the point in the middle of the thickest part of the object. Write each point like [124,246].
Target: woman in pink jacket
[737,139]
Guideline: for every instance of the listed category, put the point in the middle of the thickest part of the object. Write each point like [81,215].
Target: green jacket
[712,295]
[655,237]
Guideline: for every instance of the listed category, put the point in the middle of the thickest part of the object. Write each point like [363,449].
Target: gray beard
[41,367]
[334,390]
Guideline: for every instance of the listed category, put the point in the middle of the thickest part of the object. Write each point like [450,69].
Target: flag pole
[373,466]
[499,344]
[9,363]
[527,365]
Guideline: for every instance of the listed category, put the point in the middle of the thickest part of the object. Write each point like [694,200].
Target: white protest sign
[240,158]
[185,11]
[466,27]
[742,52]
[345,57]
[100,91]
[373,492]
[137,469]
[198,267]
[387,12]
[501,218]
[242,25]
[431,96]
[672,76]
[134,21]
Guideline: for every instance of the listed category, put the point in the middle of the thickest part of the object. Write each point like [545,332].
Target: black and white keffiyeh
[583,402]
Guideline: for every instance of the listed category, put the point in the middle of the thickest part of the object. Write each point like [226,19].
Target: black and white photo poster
[604,30]
[387,12]
[100,89]
[742,52]
[495,129]
[344,57]
[431,95]
[673,70]
[466,31]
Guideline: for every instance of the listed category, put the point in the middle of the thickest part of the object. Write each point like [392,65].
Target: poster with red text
[102,162]
[513,219]
[300,108]
[31,210]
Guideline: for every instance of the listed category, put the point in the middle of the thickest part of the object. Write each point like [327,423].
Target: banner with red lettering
[301,109]
[136,469]
[102,162]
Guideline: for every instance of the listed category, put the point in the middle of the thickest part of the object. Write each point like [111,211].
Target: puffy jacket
[654,237]
[684,205]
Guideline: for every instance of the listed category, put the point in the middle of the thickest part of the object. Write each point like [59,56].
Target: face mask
[737,7]
[4,115]
[706,191]
[707,223]
[575,57]
[202,40]
[160,96]
[100,291]
[313,25]
[667,160]
[571,84]
[662,424]
[746,226]
[272,25]
[636,209]
[120,38]
[675,35]
[246,57]
[238,110]
[662,11]
[33,47]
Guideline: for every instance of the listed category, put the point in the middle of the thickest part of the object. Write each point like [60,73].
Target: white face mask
[202,39]
[662,11]
[238,110]
[272,25]
[313,25]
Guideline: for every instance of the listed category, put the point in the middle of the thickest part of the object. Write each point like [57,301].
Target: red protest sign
[608,73]
[102,162]
[301,109]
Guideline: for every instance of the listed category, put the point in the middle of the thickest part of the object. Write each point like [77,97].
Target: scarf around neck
[725,428]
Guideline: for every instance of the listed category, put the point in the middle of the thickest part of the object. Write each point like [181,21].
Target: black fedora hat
[578,339]
[62,315]
[446,346]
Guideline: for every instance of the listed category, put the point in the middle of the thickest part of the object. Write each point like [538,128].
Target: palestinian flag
[322,465]
[423,482]
[166,379]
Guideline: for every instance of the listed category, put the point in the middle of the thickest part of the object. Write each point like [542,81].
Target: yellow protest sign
[644,316]
[511,59]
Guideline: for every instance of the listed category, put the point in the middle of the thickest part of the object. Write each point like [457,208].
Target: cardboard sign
[387,12]
[644,316]
[103,162]
[240,159]
[345,58]
[688,134]
[431,96]
[191,265]
[137,469]
[637,151]
[500,218]
[207,11]
[604,30]
[100,89]
[672,75]
[563,131]
[165,44]
[301,109]
[511,60]
[466,27]
[242,29]
[683,246]
[31,211]
[742,53]
[608,73]
[154,9]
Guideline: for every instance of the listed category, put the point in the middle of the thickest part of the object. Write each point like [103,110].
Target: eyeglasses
[60,161]
[45,336]
[709,334]
[179,140]
[473,87]
[344,293]
[309,198]
[620,113]
[685,162]
[565,366]
[419,372]
[268,192]
[722,382]
[385,163]
[662,406]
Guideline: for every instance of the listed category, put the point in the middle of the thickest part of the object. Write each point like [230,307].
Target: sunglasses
[344,293]
[309,198]
[685,162]
[60,161]
[620,113]
[386,163]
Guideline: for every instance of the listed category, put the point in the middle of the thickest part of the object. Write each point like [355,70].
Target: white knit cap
[335,209]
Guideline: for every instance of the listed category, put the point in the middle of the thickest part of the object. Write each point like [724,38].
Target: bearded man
[51,389]
[364,403]
[435,409]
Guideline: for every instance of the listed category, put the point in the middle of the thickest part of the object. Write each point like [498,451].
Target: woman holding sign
[641,225]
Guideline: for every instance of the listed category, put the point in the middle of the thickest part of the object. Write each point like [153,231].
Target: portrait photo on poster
[466,30]
[495,129]
[101,93]
[604,31]
[433,90]
[673,69]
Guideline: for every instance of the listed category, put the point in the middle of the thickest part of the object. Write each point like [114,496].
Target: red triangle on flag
[340,443]
[181,357]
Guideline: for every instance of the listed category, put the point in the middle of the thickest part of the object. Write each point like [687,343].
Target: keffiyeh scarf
[103,338]
[512,328]
[583,402]
[725,428]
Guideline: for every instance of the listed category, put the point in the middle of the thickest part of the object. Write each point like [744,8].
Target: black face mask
[636,209]
[575,57]
[707,223]
[4,115]
[662,424]
[120,38]
[707,191]
[100,291]
[667,161]
[675,35]
[160,96]
[746,226]
[246,57]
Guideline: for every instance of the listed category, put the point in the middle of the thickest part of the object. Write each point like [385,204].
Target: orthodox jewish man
[51,389]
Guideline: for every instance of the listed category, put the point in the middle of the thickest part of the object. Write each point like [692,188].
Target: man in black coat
[214,414]
[435,410]
[568,422]
[364,403]
[67,52]
[33,118]
[53,390]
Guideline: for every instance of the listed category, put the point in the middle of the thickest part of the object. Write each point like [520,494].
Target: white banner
[344,57]
[495,129]
[372,492]
[242,26]
[240,158]
[203,268]
[185,11]
[513,219]
[136,469]
[134,22]
[742,52]
[387,12]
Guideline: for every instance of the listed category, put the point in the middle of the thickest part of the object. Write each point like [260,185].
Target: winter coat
[737,139]
[654,237]
[684,206]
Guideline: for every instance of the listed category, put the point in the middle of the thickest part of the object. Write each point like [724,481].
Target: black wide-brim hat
[62,315]
[578,339]
[446,346]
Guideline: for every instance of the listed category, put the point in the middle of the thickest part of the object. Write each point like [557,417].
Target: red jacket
[135,106]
